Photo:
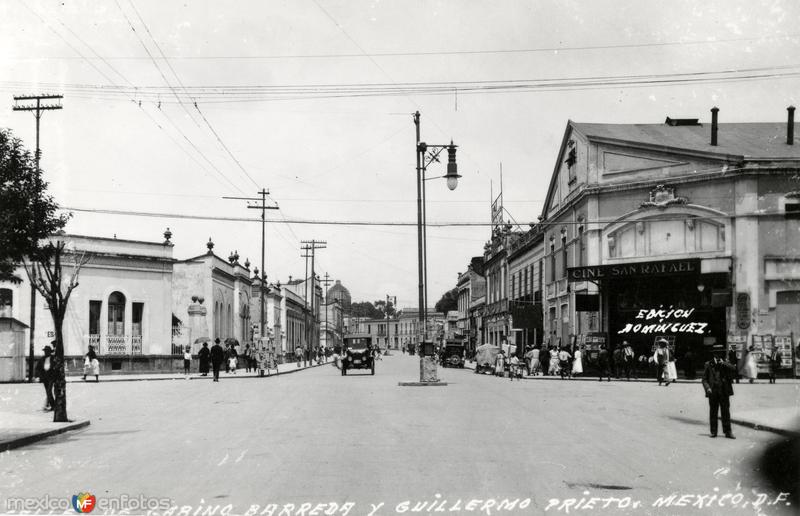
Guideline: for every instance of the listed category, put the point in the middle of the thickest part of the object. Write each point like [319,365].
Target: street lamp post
[425,155]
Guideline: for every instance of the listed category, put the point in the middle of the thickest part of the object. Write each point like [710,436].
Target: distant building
[471,287]
[340,293]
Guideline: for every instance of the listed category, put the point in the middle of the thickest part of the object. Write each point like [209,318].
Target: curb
[29,439]
[122,378]
[766,428]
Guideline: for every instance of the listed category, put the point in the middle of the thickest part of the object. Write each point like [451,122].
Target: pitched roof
[749,140]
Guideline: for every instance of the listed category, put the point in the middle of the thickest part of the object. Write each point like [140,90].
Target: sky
[170,106]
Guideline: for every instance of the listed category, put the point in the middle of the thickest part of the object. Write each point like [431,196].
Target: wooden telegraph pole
[37,109]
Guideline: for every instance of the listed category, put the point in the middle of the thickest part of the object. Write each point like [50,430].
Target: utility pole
[326,282]
[37,113]
[388,324]
[313,245]
[306,255]
[263,276]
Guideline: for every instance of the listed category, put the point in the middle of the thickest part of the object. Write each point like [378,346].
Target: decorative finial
[210,246]
[194,299]
[200,299]
[255,272]
[167,236]
[247,263]
[236,256]
[231,258]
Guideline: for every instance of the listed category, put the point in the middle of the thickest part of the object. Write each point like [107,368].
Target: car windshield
[360,343]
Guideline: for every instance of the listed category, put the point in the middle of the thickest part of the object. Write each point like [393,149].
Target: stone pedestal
[198,327]
[427,370]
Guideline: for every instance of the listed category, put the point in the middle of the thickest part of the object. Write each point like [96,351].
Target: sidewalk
[781,420]
[20,429]
[286,368]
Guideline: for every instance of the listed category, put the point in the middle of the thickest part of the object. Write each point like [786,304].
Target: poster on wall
[783,343]
[762,348]
[592,343]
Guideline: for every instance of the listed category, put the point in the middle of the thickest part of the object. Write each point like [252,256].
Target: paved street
[315,437]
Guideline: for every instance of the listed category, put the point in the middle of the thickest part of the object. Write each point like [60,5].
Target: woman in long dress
[91,366]
[750,366]
[499,364]
[577,362]
[553,361]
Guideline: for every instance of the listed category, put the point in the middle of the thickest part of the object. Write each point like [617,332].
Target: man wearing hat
[46,374]
[717,382]
[217,356]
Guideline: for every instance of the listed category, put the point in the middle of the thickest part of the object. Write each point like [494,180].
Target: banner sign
[630,270]
[665,321]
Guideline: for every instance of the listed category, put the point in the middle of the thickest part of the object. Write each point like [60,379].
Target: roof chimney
[790,126]
[714,112]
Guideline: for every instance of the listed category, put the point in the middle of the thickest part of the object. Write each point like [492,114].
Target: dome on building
[340,292]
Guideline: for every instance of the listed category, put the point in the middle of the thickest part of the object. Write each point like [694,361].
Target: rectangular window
[552,274]
[525,281]
[138,310]
[564,257]
[94,317]
[6,302]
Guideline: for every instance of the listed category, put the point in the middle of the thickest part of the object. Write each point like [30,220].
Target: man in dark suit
[46,374]
[717,382]
[603,363]
[217,356]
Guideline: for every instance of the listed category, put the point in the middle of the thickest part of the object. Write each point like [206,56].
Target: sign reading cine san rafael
[628,270]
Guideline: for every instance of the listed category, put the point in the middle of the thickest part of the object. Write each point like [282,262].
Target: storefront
[672,299]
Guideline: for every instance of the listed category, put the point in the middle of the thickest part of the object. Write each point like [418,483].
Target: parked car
[452,355]
[358,353]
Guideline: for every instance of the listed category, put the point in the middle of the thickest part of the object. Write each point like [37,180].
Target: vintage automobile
[452,354]
[358,353]
[485,357]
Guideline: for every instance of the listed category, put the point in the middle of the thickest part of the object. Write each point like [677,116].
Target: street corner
[18,430]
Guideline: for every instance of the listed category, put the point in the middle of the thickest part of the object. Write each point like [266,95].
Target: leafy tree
[449,301]
[382,308]
[364,309]
[27,213]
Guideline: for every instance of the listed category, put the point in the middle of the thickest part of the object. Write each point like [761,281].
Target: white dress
[577,364]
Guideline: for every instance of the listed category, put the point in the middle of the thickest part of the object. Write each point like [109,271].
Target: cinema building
[681,229]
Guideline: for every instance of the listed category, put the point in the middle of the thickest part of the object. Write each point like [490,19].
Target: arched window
[116,314]
[229,322]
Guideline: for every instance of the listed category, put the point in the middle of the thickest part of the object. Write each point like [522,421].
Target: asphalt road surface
[318,443]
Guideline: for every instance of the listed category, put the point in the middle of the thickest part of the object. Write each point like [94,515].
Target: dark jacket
[717,378]
[45,376]
[217,355]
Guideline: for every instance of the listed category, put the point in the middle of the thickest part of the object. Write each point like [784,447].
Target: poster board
[670,344]
[783,343]
[737,343]
[762,348]
[592,343]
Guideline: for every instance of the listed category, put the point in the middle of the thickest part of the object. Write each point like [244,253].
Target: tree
[381,307]
[449,301]
[27,213]
[46,274]
[364,309]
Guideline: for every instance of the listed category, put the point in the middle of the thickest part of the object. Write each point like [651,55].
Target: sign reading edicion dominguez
[636,269]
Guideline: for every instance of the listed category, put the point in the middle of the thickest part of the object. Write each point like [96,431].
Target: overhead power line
[261,93]
[497,51]
[385,223]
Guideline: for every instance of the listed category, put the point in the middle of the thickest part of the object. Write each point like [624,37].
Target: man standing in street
[298,354]
[45,372]
[217,356]
[628,360]
[602,363]
[717,382]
